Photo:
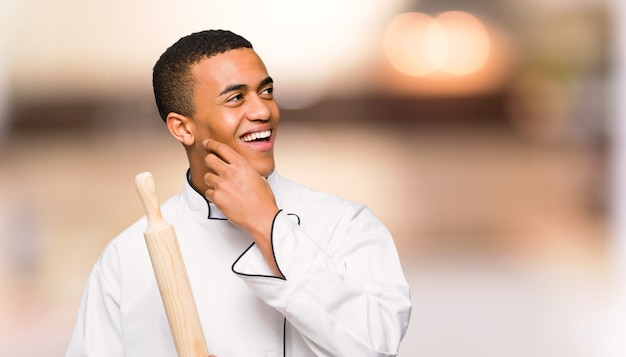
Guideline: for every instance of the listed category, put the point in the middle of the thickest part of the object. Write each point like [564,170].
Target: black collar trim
[188,177]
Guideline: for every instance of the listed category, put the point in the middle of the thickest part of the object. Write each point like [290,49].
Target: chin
[265,170]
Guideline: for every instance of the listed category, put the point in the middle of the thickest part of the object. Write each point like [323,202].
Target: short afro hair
[172,81]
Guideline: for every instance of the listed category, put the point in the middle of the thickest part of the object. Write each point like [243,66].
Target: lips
[260,139]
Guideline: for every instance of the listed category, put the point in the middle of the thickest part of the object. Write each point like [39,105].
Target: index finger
[225,152]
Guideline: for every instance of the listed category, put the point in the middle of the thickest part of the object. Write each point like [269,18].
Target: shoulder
[295,194]
[332,221]
[130,243]
[318,205]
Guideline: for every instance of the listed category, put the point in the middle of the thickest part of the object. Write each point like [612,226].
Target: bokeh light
[453,42]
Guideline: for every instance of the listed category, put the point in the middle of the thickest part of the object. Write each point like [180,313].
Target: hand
[242,194]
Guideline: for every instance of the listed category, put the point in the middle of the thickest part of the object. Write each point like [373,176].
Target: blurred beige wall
[495,184]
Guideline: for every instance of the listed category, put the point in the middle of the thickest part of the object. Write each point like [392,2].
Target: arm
[98,325]
[355,302]
[243,195]
[121,312]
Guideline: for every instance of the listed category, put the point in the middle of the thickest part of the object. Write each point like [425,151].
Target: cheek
[223,131]
[275,111]
[226,126]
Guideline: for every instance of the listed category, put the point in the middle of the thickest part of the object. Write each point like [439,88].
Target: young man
[277,269]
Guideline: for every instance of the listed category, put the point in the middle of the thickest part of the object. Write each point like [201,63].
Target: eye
[267,91]
[235,98]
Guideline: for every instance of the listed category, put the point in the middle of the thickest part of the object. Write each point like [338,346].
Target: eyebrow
[266,81]
[234,87]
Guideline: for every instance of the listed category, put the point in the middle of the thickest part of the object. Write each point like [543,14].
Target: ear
[181,128]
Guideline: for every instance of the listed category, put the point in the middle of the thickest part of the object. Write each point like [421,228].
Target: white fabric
[344,293]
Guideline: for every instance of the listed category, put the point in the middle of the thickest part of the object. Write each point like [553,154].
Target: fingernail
[205,142]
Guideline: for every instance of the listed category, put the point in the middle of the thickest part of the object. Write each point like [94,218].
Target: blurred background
[486,134]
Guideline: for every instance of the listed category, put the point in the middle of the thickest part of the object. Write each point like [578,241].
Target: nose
[258,109]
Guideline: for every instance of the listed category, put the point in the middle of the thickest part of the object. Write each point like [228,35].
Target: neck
[196,178]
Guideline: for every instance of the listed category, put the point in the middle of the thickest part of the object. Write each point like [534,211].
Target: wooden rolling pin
[171,275]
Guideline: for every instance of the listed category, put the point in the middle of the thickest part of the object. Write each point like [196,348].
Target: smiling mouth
[258,136]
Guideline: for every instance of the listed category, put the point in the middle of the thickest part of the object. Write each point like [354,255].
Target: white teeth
[255,136]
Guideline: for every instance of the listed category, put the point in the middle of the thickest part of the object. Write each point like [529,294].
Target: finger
[225,152]
[214,163]
[209,193]
[210,179]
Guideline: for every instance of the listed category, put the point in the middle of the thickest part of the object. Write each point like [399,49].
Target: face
[234,104]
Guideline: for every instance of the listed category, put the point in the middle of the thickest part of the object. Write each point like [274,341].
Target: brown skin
[232,98]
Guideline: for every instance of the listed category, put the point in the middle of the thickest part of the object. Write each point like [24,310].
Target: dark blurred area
[478,131]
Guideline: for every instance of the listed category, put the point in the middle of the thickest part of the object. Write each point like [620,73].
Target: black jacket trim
[284,337]
[275,261]
[293,214]
[188,176]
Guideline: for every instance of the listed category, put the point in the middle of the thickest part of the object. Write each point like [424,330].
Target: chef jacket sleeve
[351,300]
[97,331]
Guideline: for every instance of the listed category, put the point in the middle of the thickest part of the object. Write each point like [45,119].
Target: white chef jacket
[343,291]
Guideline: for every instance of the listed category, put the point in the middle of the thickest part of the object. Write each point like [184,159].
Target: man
[276,269]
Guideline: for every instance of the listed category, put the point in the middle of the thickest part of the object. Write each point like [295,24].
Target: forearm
[363,318]
[262,235]
[335,303]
